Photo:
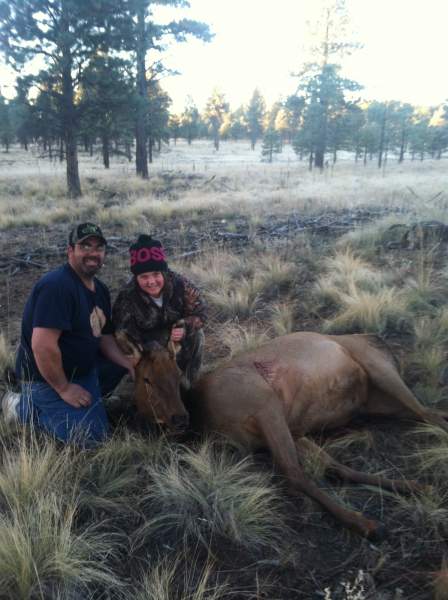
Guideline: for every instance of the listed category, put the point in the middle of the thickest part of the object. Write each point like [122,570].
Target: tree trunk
[150,146]
[128,151]
[141,155]
[321,141]
[402,146]
[69,117]
[382,138]
[106,151]
[61,150]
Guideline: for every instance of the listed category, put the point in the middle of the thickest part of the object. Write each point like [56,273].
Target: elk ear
[127,346]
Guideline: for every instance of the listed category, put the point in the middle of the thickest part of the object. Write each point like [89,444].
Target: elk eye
[146,380]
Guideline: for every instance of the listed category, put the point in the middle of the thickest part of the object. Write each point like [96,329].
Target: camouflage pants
[189,358]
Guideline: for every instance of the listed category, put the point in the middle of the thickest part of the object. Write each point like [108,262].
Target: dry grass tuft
[282,317]
[431,455]
[240,301]
[32,468]
[273,273]
[208,495]
[440,582]
[369,312]
[238,339]
[173,579]
[110,478]
[361,297]
[42,556]
[6,354]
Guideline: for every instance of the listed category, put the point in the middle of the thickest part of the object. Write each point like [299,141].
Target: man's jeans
[86,426]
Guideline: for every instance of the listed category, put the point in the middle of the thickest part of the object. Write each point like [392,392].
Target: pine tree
[6,129]
[215,111]
[107,102]
[272,143]
[254,117]
[141,34]
[190,121]
[323,88]
[64,33]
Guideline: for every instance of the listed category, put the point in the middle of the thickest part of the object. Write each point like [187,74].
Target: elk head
[157,388]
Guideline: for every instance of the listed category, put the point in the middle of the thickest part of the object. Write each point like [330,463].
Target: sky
[260,43]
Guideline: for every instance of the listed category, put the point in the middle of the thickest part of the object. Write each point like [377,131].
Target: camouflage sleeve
[124,319]
[195,306]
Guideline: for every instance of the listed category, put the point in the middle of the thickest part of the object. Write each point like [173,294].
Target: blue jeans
[86,426]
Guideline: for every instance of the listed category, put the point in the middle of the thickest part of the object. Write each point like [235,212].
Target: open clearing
[276,248]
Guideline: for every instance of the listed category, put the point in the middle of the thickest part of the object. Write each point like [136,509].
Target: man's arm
[111,350]
[44,344]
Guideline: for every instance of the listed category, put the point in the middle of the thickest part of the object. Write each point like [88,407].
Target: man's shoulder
[60,277]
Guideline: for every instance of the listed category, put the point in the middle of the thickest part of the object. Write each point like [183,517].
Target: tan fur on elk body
[295,385]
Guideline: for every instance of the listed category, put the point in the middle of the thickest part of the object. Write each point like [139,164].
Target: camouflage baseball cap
[84,231]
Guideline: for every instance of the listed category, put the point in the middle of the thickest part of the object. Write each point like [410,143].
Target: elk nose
[180,421]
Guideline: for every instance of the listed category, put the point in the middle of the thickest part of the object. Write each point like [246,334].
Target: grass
[41,554]
[241,300]
[30,469]
[207,495]
[237,339]
[146,518]
[369,312]
[171,579]
[6,354]
[282,317]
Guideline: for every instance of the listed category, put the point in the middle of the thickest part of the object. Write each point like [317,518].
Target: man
[66,327]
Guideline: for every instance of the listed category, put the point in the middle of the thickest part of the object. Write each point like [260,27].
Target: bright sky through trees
[259,43]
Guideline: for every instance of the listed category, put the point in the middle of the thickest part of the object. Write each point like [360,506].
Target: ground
[228,216]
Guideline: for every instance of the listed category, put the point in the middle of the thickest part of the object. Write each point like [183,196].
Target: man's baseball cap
[83,231]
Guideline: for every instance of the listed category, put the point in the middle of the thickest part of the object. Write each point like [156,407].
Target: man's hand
[75,395]
[177,334]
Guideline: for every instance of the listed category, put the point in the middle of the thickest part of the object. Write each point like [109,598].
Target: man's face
[87,257]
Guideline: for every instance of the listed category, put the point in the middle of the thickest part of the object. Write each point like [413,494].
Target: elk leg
[386,382]
[305,445]
[279,440]
[403,404]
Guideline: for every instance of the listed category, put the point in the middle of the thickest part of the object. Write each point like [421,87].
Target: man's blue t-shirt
[61,301]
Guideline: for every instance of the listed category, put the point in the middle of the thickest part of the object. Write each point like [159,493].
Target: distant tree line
[100,90]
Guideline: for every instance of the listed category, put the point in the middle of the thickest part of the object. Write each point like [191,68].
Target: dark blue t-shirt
[61,301]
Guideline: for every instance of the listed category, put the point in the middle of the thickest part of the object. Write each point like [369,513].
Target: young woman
[148,308]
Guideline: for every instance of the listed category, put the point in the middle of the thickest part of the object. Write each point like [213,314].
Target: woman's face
[151,283]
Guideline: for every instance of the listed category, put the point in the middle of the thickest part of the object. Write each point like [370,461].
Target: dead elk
[292,386]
